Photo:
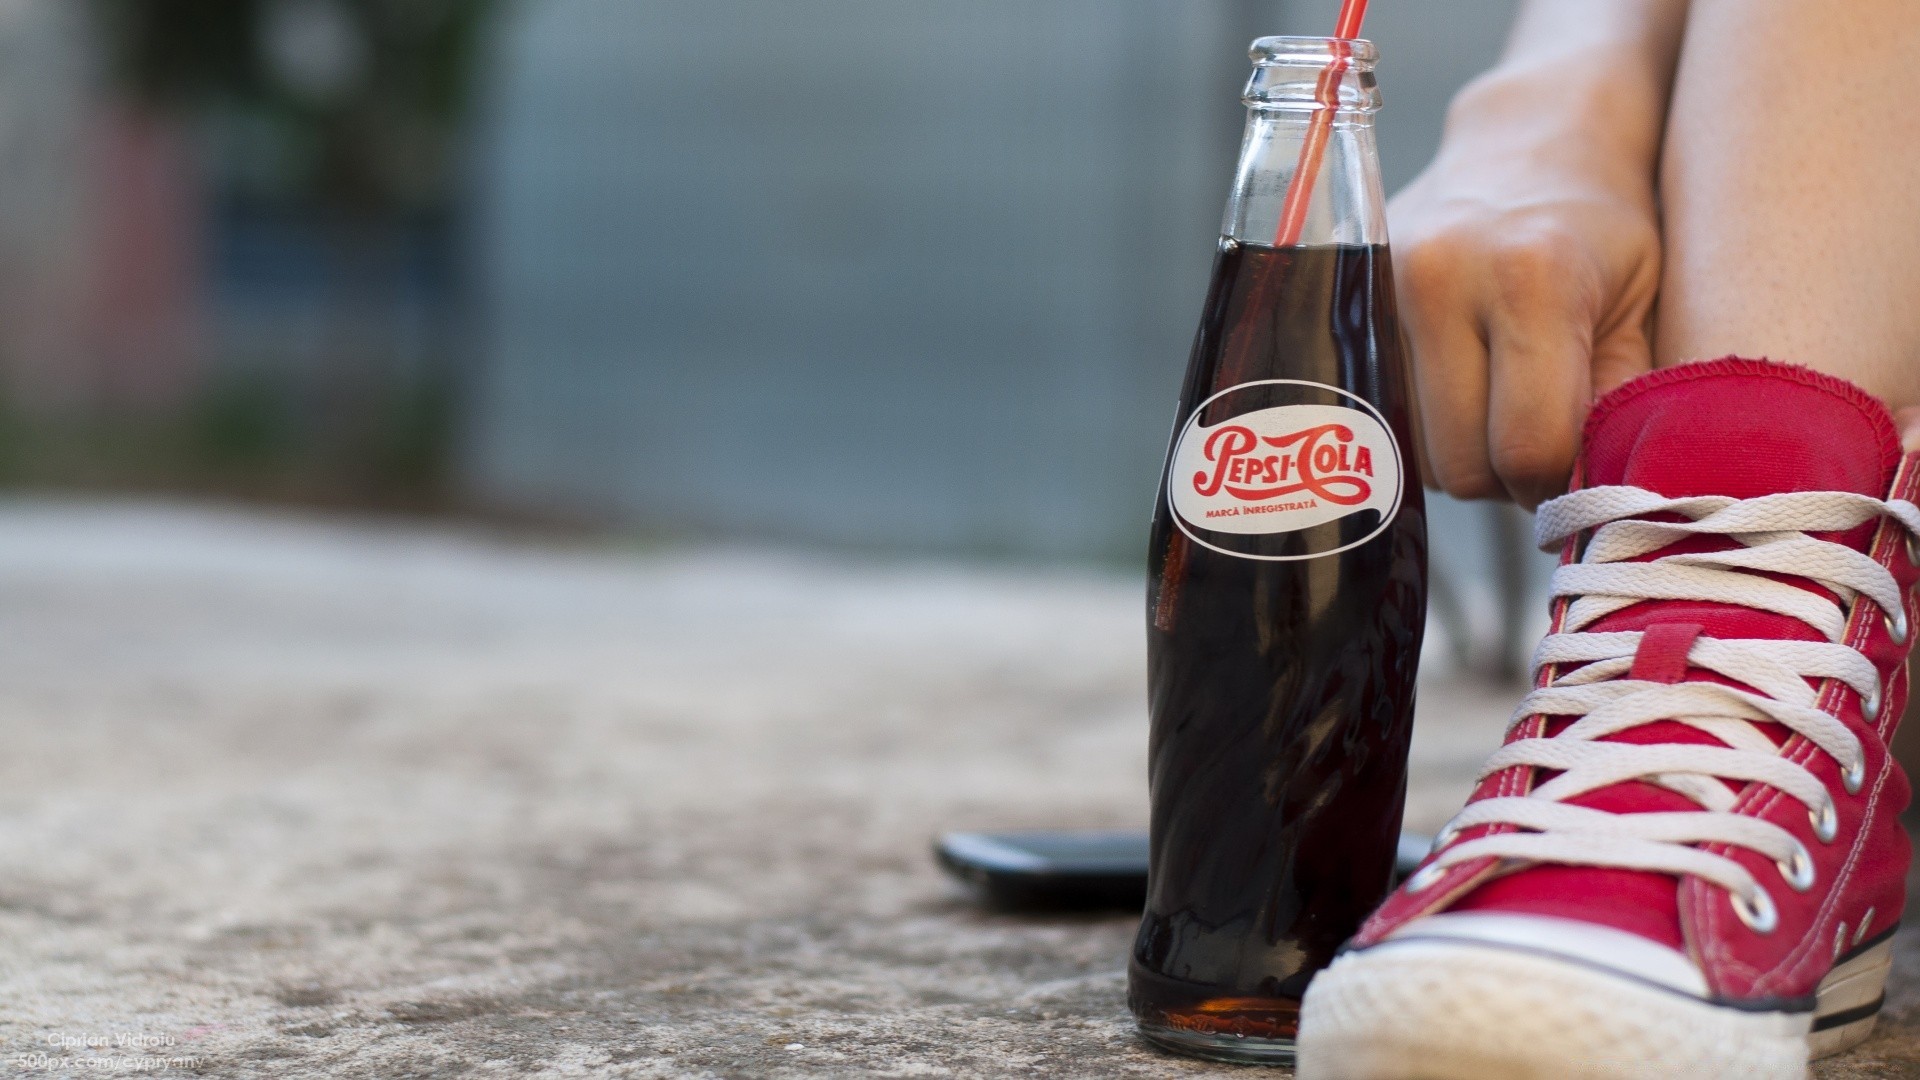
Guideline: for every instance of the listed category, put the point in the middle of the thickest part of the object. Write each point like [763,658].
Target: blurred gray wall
[907,274]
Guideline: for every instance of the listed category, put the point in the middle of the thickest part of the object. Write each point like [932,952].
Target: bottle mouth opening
[1287,72]
[1317,51]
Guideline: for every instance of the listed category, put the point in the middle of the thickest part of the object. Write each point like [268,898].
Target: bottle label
[1278,468]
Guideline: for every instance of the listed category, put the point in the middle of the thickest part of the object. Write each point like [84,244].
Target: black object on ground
[1075,870]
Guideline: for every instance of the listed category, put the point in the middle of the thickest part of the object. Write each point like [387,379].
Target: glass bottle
[1288,583]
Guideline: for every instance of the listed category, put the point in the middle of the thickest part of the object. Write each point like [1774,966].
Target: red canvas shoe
[1687,858]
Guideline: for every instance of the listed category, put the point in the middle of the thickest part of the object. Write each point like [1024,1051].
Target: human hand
[1527,260]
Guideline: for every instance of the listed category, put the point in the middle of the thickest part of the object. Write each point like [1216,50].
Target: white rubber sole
[1445,1010]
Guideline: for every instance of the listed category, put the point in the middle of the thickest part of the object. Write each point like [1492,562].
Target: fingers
[1449,359]
[1624,346]
[1623,353]
[1511,338]
[1539,380]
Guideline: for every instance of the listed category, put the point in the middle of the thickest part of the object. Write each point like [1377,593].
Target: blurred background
[520,518]
[894,277]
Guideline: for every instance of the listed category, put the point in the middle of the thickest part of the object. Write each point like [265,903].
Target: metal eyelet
[1424,877]
[1913,550]
[1757,911]
[1798,870]
[1826,822]
[1854,776]
[1896,626]
[1870,705]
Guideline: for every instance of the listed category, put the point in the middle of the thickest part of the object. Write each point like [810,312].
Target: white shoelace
[1771,534]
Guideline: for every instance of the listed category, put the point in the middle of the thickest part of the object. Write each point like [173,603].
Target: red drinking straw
[1293,211]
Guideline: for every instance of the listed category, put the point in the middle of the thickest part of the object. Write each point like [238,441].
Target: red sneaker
[1687,859]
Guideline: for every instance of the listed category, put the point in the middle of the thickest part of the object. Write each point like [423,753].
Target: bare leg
[1790,186]
[1790,189]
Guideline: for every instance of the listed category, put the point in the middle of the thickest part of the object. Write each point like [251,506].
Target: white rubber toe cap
[1483,996]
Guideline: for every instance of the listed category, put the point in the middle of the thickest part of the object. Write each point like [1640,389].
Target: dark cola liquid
[1280,666]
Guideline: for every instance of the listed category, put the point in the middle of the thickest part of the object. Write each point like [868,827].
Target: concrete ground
[291,797]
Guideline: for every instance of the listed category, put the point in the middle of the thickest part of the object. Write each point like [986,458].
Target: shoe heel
[1850,998]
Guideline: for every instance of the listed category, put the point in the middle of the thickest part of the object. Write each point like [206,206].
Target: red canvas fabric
[1662,655]
[1741,428]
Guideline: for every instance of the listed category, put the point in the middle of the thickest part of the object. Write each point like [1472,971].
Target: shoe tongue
[1742,428]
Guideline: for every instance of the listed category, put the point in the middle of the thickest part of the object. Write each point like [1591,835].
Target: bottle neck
[1302,89]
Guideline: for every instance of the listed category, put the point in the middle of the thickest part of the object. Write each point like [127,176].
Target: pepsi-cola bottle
[1288,584]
